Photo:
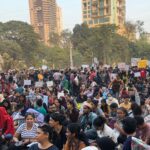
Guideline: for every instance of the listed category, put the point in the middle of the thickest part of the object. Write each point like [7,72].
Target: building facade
[44,17]
[98,12]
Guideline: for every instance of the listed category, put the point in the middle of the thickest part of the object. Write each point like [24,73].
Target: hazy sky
[19,10]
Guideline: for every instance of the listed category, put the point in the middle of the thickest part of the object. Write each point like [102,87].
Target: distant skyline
[72,12]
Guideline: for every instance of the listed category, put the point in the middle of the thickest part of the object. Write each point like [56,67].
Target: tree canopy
[20,46]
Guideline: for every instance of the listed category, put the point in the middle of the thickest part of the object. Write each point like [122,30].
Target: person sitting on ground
[6,123]
[102,129]
[27,131]
[143,129]
[76,139]
[39,107]
[96,108]
[106,143]
[59,131]
[72,112]
[126,103]
[87,118]
[113,110]
[129,127]
[44,137]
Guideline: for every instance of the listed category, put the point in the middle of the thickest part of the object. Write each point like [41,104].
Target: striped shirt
[22,130]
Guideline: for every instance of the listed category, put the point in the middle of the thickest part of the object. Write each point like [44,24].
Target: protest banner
[142,64]
[122,66]
[45,99]
[39,84]
[134,61]
[49,83]
[127,67]
[113,76]
[27,82]
[44,67]
[137,74]
[60,94]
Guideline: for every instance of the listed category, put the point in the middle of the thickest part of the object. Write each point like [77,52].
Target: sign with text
[49,83]
[27,82]
[122,66]
[142,64]
[39,84]
[134,61]
[137,74]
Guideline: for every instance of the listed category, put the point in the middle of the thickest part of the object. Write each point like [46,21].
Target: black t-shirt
[59,139]
[35,147]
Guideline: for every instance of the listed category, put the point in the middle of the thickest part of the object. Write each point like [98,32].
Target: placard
[142,64]
[49,83]
[27,82]
[127,67]
[113,76]
[39,84]
[137,74]
[134,61]
[44,67]
[60,94]
[122,66]
[45,99]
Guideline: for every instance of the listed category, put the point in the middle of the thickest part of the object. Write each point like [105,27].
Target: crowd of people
[82,109]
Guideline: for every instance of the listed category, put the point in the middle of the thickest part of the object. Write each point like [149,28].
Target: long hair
[75,128]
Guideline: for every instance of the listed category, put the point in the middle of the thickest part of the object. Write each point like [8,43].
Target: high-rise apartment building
[59,20]
[97,12]
[45,18]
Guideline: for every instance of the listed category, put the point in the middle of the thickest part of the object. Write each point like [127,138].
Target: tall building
[97,12]
[45,18]
[59,20]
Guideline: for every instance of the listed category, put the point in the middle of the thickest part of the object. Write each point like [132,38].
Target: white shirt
[107,132]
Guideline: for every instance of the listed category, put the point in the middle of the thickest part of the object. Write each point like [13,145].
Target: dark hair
[39,102]
[129,125]
[47,130]
[76,128]
[29,114]
[58,117]
[72,103]
[136,109]
[114,105]
[139,120]
[123,110]
[106,143]
[99,121]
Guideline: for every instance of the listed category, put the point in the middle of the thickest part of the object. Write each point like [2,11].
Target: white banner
[134,61]
[49,83]
[27,82]
[137,74]
[122,66]
[39,84]
[44,67]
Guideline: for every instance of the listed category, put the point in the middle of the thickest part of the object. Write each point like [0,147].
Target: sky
[71,9]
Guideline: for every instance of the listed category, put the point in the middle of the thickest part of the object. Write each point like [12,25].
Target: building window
[107,11]
[95,21]
[102,12]
[84,12]
[85,22]
[84,5]
[90,21]
[106,2]
[104,20]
